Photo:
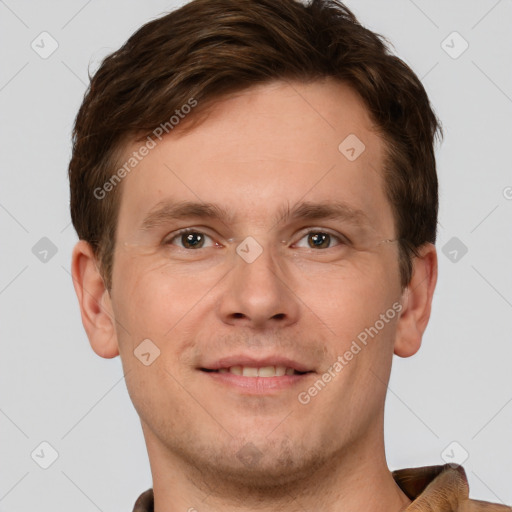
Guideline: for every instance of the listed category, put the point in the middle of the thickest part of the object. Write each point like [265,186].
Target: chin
[262,464]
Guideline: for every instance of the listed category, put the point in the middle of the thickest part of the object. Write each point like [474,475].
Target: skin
[258,151]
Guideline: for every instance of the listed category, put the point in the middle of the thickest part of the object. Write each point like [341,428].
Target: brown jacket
[433,489]
[440,489]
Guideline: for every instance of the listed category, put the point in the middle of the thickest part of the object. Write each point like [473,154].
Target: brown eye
[320,239]
[192,240]
[188,239]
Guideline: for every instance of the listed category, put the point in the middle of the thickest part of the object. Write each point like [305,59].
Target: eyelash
[341,239]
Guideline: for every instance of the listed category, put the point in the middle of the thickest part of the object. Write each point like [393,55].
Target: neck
[355,480]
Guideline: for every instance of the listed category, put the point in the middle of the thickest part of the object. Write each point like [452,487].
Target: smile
[263,380]
[264,371]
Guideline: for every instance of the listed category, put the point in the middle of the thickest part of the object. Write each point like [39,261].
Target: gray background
[55,389]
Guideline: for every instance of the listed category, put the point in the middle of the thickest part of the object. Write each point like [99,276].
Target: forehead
[263,148]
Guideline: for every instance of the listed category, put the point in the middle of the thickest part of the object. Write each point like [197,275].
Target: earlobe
[417,302]
[94,300]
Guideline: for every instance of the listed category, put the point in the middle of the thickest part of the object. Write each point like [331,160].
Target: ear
[417,302]
[94,299]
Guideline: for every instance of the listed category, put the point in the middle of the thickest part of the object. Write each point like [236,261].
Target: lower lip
[258,385]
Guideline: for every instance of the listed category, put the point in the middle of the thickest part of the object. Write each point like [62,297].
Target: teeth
[249,372]
[265,371]
[237,370]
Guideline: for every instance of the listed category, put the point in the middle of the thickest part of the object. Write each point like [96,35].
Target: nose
[258,294]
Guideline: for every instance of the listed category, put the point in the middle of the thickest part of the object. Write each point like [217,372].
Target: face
[264,277]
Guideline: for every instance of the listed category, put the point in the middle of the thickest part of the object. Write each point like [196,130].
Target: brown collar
[432,489]
[441,488]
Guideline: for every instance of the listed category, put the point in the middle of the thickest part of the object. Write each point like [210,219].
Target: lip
[245,360]
[257,385]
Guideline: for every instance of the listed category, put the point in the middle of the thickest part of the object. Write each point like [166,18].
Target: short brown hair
[209,48]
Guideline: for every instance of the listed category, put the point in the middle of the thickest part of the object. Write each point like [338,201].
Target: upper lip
[254,362]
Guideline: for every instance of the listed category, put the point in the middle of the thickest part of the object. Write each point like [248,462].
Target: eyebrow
[168,210]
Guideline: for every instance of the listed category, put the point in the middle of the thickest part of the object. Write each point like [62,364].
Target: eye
[320,239]
[189,239]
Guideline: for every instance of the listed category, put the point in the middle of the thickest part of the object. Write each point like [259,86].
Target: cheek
[347,305]
[167,306]
[154,297]
[345,291]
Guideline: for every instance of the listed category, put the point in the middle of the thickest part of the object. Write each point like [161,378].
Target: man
[254,187]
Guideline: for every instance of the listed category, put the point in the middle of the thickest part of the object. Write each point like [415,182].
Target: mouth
[257,377]
[252,371]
